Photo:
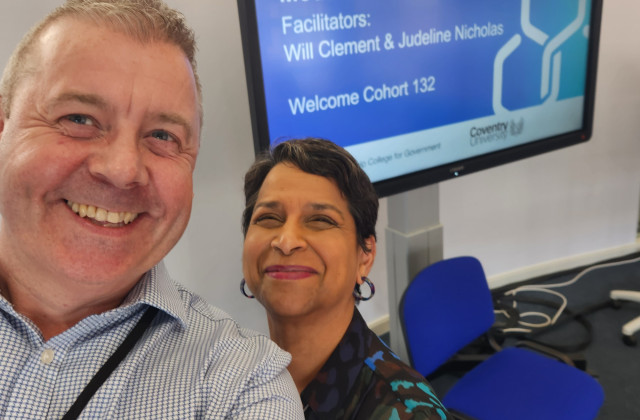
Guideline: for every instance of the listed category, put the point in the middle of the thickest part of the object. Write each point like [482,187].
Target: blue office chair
[448,306]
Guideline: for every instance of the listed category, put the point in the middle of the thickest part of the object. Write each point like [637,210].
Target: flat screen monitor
[421,91]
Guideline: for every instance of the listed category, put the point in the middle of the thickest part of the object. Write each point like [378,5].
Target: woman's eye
[267,220]
[322,222]
[80,119]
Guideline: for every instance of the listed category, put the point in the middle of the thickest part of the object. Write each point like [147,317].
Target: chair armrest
[629,295]
[576,360]
[456,415]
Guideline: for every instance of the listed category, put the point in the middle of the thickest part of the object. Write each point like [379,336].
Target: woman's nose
[120,162]
[289,239]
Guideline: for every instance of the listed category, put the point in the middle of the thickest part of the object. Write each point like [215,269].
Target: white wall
[579,201]
[575,201]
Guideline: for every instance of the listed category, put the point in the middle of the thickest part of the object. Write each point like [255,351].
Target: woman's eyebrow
[268,204]
[326,206]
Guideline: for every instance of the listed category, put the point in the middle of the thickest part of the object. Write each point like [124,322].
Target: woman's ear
[367,257]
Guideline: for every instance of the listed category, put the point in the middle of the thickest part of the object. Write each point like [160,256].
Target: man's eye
[161,135]
[80,119]
[79,126]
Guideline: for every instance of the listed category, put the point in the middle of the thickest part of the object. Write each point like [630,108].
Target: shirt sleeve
[273,399]
[263,387]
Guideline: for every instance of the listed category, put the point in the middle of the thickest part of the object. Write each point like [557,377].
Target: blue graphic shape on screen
[550,52]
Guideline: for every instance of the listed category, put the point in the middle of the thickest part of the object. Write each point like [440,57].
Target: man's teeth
[102,215]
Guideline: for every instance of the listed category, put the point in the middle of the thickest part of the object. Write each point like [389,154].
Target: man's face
[97,157]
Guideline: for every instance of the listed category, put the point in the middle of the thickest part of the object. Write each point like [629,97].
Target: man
[100,122]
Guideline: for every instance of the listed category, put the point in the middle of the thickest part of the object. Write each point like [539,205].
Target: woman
[309,227]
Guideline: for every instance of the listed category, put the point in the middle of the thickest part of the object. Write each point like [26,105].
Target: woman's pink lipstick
[290,272]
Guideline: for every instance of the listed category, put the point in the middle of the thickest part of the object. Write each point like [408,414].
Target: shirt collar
[331,387]
[157,288]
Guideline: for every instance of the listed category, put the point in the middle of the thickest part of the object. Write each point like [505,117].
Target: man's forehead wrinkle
[85,98]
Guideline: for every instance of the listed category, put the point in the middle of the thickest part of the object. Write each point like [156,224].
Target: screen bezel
[399,184]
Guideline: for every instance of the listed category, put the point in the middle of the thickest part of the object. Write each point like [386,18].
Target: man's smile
[102,215]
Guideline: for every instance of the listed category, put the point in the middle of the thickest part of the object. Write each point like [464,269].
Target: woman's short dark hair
[324,158]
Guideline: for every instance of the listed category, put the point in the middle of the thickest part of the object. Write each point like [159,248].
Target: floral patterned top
[364,380]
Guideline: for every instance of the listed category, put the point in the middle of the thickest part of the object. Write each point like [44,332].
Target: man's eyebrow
[85,98]
[176,119]
[95,100]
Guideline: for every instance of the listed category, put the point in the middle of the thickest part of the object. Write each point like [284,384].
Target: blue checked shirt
[193,362]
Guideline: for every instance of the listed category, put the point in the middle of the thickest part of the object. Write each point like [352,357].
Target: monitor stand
[413,241]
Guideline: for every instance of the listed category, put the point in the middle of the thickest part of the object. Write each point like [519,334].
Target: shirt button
[47,356]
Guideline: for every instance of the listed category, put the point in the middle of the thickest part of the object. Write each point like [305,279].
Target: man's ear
[2,116]
[367,258]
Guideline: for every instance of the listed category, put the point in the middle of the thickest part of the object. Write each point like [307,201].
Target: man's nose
[120,161]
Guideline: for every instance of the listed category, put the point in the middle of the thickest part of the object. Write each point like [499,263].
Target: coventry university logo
[515,128]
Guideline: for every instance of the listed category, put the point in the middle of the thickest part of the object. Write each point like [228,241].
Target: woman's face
[301,256]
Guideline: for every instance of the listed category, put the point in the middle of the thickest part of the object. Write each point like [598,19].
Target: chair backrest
[446,306]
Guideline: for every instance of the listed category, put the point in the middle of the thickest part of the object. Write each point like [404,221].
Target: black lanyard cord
[121,352]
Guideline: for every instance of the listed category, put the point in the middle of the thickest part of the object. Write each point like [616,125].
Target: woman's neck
[310,340]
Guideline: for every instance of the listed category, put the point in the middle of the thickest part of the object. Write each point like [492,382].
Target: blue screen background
[463,69]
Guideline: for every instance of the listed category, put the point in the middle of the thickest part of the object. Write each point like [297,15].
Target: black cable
[101,376]
[577,316]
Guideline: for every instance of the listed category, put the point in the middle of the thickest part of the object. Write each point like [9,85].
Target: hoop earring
[242,283]
[358,295]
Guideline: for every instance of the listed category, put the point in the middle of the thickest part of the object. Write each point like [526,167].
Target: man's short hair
[324,158]
[143,20]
